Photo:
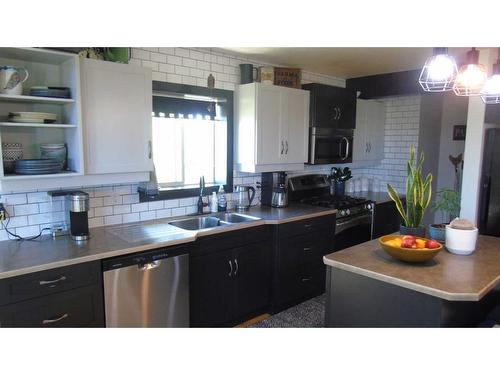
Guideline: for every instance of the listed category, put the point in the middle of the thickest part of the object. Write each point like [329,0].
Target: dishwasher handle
[144,260]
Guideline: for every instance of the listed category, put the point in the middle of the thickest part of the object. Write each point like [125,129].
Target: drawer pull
[50,321]
[45,282]
[307,248]
[305,279]
[307,225]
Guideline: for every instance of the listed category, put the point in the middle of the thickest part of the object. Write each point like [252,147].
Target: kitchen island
[366,287]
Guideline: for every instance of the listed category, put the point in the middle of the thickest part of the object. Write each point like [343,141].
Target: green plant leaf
[399,205]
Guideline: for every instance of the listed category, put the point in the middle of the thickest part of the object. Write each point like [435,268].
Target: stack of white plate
[38,166]
[33,117]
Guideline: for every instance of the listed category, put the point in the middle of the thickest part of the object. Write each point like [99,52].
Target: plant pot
[413,231]
[437,232]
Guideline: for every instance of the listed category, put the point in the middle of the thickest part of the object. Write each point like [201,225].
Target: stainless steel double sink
[212,221]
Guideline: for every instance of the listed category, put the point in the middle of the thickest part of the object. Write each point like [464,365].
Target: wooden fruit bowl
[405,254]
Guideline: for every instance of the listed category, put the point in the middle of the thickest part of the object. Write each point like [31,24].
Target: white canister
[365,184]
[349,186]
[461,241]
[11,79]
[357,185]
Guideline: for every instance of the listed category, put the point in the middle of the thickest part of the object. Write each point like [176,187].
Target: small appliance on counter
[274,191]
[70,214]
[244,197]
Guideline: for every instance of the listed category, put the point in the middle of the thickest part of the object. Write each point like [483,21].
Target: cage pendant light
[491,89]
[439,72]
[471,76]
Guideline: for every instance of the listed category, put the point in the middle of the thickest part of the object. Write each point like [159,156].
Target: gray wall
[429,140]
[454,113]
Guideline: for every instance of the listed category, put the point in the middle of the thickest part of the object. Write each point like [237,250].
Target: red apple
[432,244]
[408,243]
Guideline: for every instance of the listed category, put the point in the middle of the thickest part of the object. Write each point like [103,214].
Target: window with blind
[192,138]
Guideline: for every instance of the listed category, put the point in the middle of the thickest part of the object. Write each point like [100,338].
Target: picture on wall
[459,132]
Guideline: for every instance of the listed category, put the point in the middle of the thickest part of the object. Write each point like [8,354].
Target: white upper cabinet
[370,130]
[117,123]
[271,126]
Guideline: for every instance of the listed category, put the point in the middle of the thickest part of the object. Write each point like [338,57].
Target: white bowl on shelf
[461,241]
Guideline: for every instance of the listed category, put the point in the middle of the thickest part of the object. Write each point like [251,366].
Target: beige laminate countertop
[447,276]
[22,257]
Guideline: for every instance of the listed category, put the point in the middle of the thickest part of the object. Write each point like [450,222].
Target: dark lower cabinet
[62,297]
[386,219]
[299,272]
[230,280]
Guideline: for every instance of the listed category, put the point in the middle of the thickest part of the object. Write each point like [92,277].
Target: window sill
[177,193]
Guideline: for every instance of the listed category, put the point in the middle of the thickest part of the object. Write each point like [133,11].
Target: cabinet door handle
[237,267]
[50,321]
[45,282]
[369,147]
[150,150]
[307,248]
[231,270]
[336,115]
[305,279]
[366,147]
[340,113]
[282,147]
[286,147]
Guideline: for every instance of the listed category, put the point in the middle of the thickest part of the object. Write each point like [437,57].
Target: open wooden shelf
[34,99]
[35,125]
[11,177]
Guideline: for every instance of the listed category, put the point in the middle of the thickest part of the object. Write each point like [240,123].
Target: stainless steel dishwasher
[149,289]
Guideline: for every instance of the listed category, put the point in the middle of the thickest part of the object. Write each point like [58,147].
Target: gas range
[354,216]
[346,205]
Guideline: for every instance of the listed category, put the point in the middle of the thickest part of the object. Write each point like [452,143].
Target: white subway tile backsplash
[103,211]
[113,220]
[172,203]
[156,205]
[26,209]
[96,222]
[129,218]
[147,215]
[96,202]
[132,198]
[121,209]
[12,199]
[179,211]
[29,231]
[112,200]
[139,207]
[174,60]
[37,197]
[161,214]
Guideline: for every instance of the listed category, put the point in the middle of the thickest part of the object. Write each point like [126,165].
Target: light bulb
[471,76]
[441,67]
[491,90]
[439,72]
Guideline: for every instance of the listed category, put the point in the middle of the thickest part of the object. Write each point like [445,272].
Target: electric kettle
[244,196]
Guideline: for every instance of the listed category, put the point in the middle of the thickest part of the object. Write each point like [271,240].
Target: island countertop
[447,276]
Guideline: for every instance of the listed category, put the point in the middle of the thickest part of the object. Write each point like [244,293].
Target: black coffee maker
[273,188]
[77,203]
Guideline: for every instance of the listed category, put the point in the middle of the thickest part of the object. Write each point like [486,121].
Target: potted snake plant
[448,203]
[418,196]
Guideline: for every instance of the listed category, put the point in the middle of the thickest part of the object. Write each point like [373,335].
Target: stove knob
[348,212]
[342,213]
[369,206]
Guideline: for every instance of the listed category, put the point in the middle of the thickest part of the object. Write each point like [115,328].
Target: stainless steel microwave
[330,146]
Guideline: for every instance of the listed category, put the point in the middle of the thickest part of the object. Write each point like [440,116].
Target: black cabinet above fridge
[331,107]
